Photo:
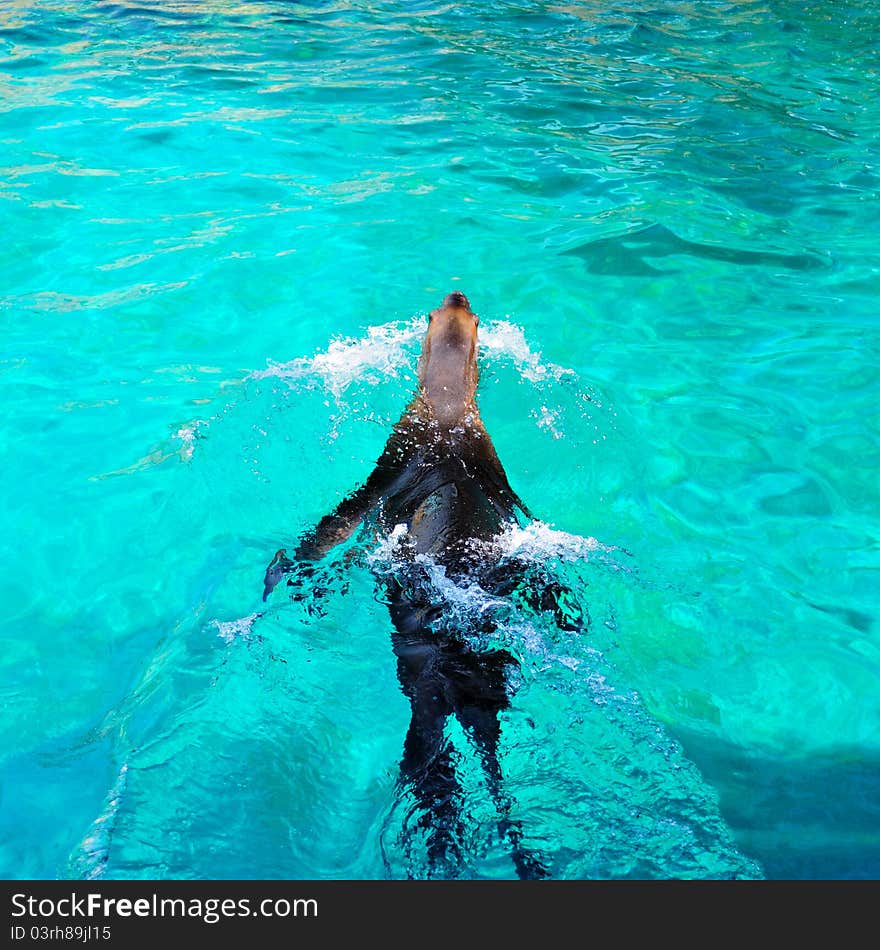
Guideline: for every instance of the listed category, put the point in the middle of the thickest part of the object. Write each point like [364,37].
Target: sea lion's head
[448,365]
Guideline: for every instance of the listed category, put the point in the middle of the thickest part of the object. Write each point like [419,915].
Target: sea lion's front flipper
[344,520]
[278,567]
[346,517]
[339,525]
[331,530]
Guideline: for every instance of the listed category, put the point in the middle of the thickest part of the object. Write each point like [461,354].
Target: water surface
[224,223]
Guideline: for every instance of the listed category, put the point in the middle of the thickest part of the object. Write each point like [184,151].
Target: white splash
[501,338]
[464,598]
[468,599]
[89,861]
[346,360]
[231,630]
[387,349]
[387,552]
[539,542]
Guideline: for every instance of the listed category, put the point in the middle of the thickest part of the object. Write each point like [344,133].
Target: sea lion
[440,476]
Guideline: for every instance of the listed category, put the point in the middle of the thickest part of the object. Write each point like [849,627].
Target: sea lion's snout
[457,299]
[457,307]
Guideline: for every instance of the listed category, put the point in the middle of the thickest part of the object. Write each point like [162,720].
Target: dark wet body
[440,476]
[450,493]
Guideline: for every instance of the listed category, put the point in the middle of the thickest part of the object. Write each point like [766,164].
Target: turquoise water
[223,225]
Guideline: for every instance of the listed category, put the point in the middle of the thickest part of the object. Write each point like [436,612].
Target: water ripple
[665,214]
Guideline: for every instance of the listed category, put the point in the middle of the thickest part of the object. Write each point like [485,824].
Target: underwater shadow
[630,254]
[802,818]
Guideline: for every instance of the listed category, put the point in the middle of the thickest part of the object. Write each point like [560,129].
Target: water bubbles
[231,630]
[547,419]
[188,434]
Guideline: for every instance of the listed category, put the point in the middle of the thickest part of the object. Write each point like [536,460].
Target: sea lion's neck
[447,369]
[446,409]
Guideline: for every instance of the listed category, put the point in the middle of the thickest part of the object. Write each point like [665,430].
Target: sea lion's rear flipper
[484,727]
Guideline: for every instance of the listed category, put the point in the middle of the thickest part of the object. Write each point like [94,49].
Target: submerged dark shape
[440,476]
[630,253]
